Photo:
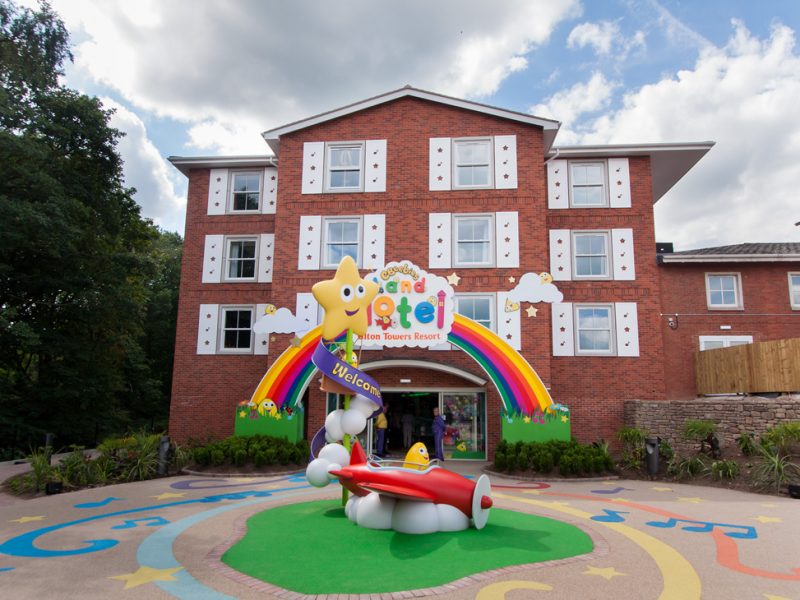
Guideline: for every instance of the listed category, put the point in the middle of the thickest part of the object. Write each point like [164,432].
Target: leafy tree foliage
[81,271]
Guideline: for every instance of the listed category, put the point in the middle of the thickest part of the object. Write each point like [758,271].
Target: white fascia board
[185,163]
[550,126]
[729,258]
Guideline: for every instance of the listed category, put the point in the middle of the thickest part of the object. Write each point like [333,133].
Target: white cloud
[281,321]
[569,105]
[146,170]
[531,288]
[744,97]
[600,35]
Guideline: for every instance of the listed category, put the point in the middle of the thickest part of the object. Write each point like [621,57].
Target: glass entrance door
[465,416]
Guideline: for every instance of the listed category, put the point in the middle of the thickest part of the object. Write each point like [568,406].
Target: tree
[77,262]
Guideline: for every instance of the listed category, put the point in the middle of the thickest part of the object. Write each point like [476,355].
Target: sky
[205,78]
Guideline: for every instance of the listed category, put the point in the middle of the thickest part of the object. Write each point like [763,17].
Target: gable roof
[746,252]
[550,126]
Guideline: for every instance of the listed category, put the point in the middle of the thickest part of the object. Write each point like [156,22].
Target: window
[473,240]
[344,167]
[479,308]
[472,164]
[591,255]
[588,184]
[241,259]
[245,192]
[794,290]
[594,329]
[237,335]
[723,291]
[711,342]
[341,238]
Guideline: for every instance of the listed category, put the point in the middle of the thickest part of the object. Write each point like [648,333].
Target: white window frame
[227,258]
[794,288]
[606,235]
[223,310]
[324,240]
[491,298]
[612,351]
[489,165]
[604,195]
[467,265]
[232,192]
[739,301]
[329,147]
[727,340]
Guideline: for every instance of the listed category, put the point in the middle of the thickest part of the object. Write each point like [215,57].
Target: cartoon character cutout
[346,299]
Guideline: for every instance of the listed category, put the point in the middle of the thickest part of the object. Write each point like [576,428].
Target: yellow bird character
[545,278]
[417,457]
[270,309]
[267,407]
[461,447]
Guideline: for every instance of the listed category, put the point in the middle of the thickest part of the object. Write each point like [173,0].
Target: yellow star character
[607,573]
[26,519]
[345,299]
[146,575]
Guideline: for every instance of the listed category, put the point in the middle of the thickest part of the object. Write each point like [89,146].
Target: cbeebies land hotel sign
[412,308]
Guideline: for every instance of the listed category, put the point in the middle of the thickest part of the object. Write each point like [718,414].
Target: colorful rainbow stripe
[520,388]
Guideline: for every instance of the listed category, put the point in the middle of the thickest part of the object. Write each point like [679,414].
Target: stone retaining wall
[732,414]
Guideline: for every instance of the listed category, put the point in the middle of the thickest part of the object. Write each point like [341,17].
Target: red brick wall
[767,313]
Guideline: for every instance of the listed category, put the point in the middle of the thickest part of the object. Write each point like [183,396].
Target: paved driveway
[163,539]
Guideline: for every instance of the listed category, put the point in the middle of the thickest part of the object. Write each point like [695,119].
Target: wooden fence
[761,367]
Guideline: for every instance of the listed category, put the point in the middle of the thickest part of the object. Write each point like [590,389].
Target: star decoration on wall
[607,573]
[453,279]
[512,279]
[147,575]
[532,312]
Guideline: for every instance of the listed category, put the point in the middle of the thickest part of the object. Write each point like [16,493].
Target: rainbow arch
[520,388]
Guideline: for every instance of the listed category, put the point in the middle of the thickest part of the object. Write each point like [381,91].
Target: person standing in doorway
[381,423]
[438,434]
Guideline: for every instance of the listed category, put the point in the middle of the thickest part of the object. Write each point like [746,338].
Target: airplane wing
[399,492]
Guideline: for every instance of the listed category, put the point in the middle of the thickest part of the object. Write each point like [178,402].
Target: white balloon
[351,508]
[375,511]
[333,467]
[335,453]
[415,517]
[353,422]
[317,472]
[451,519]
[363,405]
[329,439]
[333,424]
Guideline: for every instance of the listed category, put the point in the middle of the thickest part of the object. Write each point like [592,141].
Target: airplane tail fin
[357,455]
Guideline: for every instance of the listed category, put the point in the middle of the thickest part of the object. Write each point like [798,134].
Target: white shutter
[439,173]
[557,184]
[627,323]
[269,191]
[622,249]
[310,241]
[307,309]
[563,329]
[506,226]
[217,191]
[508,323]
[266,256]
[374,241]
[505,162]
[560,254]
[375,166]
[313,167]
[260,340]
[440,243]
[212,258]
[619,183]
[207,328]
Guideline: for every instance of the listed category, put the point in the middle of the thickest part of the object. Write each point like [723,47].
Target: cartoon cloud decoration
[279,321]
[535,287]
[346,299]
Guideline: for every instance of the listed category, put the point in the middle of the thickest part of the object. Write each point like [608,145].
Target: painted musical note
[616,490]
[611,516]
[146,521]
[747,533]
[105,502]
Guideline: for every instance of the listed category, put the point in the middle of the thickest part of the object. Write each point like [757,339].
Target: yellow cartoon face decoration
[267,407]
[270,309]
[417,457]
[545,278]
[346,299]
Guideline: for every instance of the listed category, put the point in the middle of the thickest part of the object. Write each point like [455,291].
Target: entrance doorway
[410,418]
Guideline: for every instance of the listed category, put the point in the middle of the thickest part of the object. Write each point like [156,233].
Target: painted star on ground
[661,489]
[453,279]
[168,495]
[690,500]
[763,519]
[607,573]
[146,575]
[27,519]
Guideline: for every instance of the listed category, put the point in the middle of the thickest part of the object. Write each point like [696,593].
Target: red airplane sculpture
[434,484]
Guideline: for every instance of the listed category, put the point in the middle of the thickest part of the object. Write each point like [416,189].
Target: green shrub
[747,445]
[632,439]
[500,460]
[685,468]
[783,437]
[39,460]
[724,469]
[665,450]
[774,469]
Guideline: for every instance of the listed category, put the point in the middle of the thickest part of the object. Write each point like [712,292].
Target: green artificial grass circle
[312,548]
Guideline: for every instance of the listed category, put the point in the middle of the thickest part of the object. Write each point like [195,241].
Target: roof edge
[185,163]
[728,258]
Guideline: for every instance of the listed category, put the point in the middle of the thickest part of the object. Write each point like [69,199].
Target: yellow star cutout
[278,416]
[453,279]
[146,575]
[242,414]
[526,419]
[564,418]
[26,519]
[295,341]
[512,279]
[691,500]
[661,489]
[531,311]
[168,495]
[345,299]
[763,519]
[607,573]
